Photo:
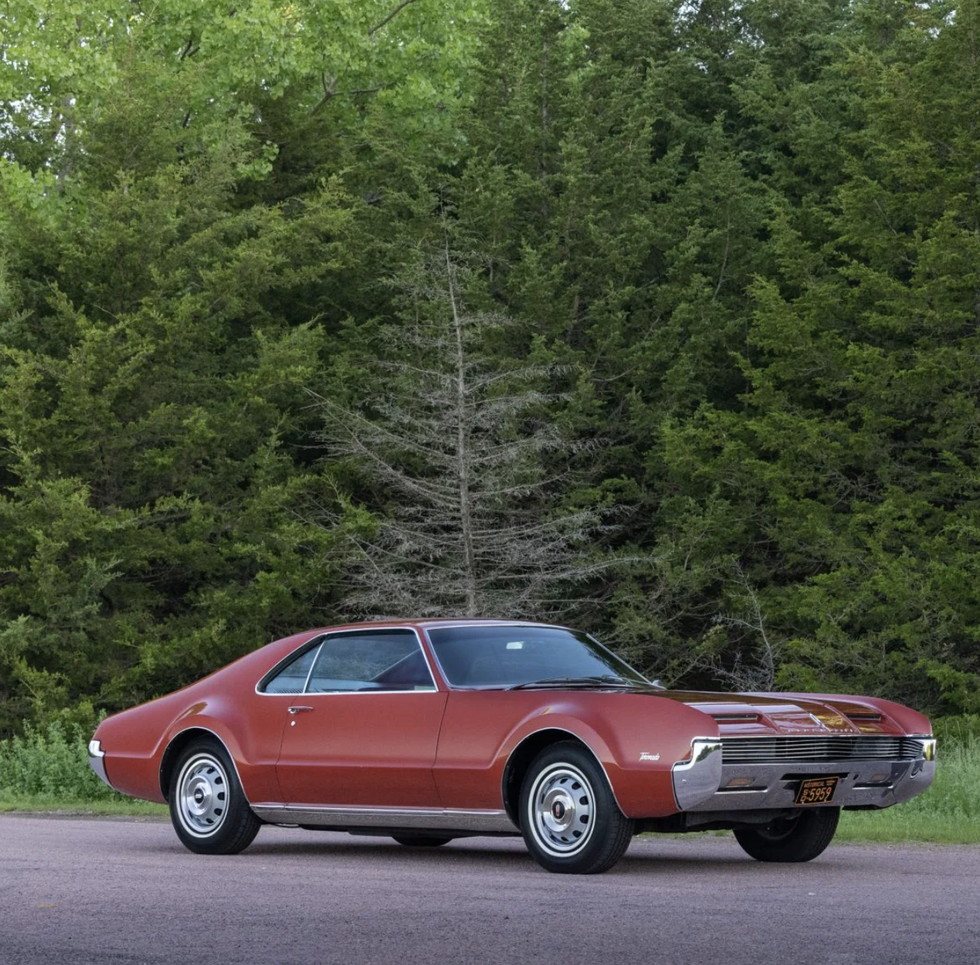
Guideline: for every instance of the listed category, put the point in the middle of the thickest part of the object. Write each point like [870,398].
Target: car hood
[747,715]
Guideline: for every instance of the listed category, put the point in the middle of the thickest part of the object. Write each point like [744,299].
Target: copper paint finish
[447,749]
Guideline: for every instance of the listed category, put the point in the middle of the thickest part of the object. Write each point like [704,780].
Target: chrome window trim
[309,673]
[612,653]
[319,641]
[454,625]
[314,643]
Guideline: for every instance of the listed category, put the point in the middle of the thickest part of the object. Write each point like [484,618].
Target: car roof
[470,622]
[435,622]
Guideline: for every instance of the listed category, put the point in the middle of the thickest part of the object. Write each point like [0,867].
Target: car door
[363,731]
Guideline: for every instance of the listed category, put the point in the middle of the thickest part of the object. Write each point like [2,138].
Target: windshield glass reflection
[506,656]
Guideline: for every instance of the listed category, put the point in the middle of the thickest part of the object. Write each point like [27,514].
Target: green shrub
[959,729]
[51,764]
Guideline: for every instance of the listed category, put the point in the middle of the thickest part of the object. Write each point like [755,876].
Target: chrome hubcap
[560,809]
[202,791]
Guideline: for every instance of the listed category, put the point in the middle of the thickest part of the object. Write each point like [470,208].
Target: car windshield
[527,656]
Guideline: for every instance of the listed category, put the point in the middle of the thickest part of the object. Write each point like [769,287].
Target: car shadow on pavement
[508,854]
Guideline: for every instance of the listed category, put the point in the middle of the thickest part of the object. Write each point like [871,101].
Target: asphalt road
[79,891]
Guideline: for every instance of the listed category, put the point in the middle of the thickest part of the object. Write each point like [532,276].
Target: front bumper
[96,760]
[744,787]
[699,777]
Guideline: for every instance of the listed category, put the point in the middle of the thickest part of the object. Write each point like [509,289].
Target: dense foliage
[696,284]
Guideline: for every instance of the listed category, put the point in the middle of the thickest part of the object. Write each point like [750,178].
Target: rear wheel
[569,817]
[799,838]
[207,804]
[420,840]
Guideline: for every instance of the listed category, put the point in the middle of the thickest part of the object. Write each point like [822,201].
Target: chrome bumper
[738,787]
[697,778]
[96,760]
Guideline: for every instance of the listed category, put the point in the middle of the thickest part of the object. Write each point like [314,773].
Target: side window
[292,678]
[379,660]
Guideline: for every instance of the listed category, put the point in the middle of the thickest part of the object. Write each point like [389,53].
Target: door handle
[298,710]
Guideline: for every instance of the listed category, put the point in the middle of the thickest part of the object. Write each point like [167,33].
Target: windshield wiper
[605,680]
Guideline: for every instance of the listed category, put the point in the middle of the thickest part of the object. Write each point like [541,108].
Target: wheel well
[520,761]
[174,749]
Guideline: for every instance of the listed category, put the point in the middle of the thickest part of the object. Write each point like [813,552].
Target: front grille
[788,750]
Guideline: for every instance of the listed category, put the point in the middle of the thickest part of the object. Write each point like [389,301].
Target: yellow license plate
[817,790]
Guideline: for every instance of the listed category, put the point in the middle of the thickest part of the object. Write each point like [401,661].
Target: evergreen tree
[846,485]
[168,288]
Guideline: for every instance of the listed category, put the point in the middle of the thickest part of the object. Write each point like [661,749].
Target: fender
[636,738]
[636,744]
[255,769]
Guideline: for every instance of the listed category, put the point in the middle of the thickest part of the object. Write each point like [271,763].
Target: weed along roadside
[948,813]
[47,770]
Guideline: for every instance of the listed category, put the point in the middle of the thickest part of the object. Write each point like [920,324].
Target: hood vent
[733,718]
[864,715]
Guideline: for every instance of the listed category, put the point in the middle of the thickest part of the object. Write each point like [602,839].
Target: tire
[569,818]
[420,840]
[800,838]
[207,804]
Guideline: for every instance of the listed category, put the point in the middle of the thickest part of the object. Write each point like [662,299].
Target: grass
[948,813]
[118,806]
[47,770]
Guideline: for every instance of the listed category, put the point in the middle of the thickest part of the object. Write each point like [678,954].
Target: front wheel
[207,804]
[569,818]
[799,838]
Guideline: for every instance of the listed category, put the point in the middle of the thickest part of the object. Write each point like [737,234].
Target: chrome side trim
[697,779]
[346,693]
[430,819]
[96,760]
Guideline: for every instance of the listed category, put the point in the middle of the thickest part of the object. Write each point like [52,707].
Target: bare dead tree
[458,445]
[754,670]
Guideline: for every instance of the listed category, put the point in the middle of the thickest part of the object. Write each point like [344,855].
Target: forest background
[659,318]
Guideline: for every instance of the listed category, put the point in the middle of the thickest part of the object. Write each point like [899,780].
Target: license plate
[817,790]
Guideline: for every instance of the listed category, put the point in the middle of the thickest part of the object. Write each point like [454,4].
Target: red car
[432,730]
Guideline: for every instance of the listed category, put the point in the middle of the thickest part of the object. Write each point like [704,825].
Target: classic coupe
[431,730]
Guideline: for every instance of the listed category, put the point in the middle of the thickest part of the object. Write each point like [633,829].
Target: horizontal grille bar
[786,750]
